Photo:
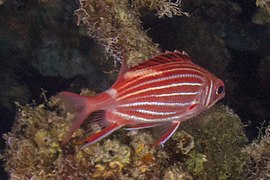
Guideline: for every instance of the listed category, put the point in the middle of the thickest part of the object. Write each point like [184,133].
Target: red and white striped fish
[161,92]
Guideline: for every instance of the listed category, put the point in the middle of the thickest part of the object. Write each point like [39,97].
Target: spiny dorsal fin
[124,67]
[163,58]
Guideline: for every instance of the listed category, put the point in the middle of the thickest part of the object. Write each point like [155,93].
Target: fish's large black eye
[219,90]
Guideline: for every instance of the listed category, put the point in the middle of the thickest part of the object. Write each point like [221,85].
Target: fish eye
[219,90]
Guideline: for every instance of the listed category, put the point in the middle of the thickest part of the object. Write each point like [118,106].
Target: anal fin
[111,127]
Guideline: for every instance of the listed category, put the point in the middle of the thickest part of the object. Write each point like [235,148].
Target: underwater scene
[134,89]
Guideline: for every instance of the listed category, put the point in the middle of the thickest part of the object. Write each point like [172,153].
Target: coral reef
[167,8]
[264,4]
[176,173]
[34,150]
[184,142]
[261,16]
[116,26]
[213,132]
[259,152]
[34,143]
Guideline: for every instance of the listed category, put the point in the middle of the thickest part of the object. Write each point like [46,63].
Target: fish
[159,93]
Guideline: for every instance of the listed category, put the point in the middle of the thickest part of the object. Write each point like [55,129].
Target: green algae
[195,163]
[219,139]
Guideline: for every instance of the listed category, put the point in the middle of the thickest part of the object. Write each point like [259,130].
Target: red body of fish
[161,92]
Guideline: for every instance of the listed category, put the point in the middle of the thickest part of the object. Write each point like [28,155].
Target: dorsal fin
[124,67]
[162,58]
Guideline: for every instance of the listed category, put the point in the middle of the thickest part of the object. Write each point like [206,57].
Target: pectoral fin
[165,132]
[142,126]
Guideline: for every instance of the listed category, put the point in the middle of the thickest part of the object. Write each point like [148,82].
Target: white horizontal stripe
[175,94]
[159,87]
[155,112]
[168,78]
[167,95]
[136,118]
[178,76]
[156,104]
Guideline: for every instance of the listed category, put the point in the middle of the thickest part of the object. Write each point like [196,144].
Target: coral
[259,152]
[167,8]
[261,16]
[195,164]
[34,150]
[144,154]
[184,142]
[264,4]
[213,132]
[115,25]
[109,158]
[35,143]
[175,173]
[2,2]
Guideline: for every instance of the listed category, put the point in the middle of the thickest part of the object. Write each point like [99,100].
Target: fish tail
[82,106]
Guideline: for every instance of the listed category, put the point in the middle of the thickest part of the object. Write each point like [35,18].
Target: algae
[219,140]
[259,153]
[34,150]
[264,4]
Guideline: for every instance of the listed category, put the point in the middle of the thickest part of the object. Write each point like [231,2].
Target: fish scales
[178,83]
[149,74]
[161,92]
[179,75]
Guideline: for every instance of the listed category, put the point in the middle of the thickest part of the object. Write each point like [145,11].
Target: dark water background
[41,47]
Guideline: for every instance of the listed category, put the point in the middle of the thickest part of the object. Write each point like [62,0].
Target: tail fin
[81,105]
